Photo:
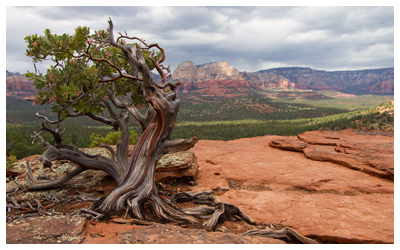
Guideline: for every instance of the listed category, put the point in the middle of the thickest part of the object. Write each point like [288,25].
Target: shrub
[110,138]
[10,161]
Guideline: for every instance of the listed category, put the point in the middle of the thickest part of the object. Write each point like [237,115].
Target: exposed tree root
[216,213]
[210,215]
[280,232]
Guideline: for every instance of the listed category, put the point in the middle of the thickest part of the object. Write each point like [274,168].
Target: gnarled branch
[173,146]
[280,232]
[34,184]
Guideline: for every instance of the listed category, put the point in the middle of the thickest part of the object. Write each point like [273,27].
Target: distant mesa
[371,81]
[19,86]
[16,81]
[188,72]
[219,78]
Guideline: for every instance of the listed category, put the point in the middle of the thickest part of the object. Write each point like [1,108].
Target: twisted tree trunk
[137,185]
[135,178]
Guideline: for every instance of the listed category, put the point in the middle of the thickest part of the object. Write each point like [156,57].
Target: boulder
[170,166]
[177,165]
[174,166]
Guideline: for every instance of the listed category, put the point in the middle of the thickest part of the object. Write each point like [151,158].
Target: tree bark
[137,185]
[135,178]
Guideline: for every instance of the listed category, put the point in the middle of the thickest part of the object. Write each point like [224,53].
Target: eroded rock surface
[189,72]
[46,230]
[370,152]
[323,200]
[166,234]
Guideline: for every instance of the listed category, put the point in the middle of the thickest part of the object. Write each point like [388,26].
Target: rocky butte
[187,71]
[219,78]
[18,85]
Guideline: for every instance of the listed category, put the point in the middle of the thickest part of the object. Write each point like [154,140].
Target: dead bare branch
[35,184]
[280,233]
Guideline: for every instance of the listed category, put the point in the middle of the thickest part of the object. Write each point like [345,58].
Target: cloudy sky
[249,38]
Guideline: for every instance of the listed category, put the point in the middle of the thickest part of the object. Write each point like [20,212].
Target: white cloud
[250,38]
[311,36]
[374,53]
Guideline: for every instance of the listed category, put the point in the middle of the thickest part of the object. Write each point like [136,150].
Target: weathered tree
[96,72]
[93,72]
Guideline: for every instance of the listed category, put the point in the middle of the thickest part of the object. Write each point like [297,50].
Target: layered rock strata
[220,78]
[369,152]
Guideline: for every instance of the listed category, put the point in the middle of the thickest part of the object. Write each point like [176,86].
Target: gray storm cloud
[249,38]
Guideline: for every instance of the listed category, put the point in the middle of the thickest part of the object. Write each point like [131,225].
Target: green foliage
[226,119]
[368,119]
[19,140]
[22,112]
[82,61]
[248,108]
[75,82]
[10,161]
[350,103]
[110,138]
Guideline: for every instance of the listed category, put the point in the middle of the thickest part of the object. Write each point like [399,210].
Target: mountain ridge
[367,81]
[219,78]
[295,67]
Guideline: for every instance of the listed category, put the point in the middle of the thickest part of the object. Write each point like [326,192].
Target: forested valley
[212,118]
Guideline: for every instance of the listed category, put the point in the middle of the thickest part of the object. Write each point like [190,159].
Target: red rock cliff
[212,78]
[18,85]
